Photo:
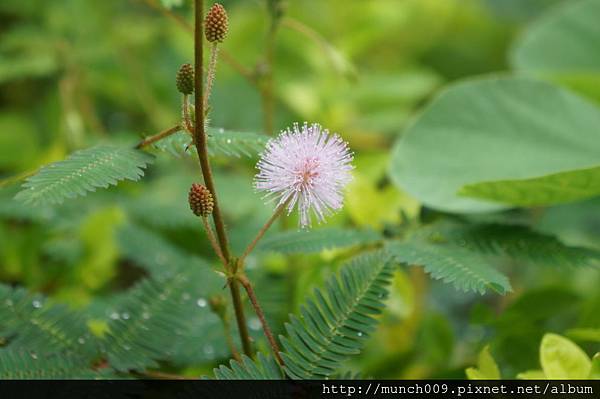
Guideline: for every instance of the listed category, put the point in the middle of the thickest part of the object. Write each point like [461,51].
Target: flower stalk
[261,316]
[202,150]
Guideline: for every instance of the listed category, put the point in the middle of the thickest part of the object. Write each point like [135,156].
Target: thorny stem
[213,241]
[278,211]
[210,74]
[202,150]
[157,137]
[254,301]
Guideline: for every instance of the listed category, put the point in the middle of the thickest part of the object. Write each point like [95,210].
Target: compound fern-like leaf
[83,171]
[22,365]
[30,324]
[336,321]
[467,270]
[263,368]
[519,243]
[220,142]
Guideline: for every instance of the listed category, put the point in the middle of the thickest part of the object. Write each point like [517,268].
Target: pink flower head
[306,167]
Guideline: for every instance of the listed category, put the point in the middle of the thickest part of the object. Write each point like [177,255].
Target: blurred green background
[74,73]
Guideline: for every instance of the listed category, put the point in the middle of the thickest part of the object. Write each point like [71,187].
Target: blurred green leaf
[487,369]
[493,129]
[539,191]
[562,45]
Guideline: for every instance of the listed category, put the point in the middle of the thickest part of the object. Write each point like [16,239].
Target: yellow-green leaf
[562,359]
[486,369]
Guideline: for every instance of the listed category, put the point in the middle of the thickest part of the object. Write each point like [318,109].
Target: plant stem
[157,137]
[210,74]
[239,316]
[278,211]
[202,150]
[263,321]
[213,241]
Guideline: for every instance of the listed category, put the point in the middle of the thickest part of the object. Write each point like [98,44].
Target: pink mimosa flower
[308,168]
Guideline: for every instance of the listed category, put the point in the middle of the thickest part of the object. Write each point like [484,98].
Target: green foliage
[263,368]
[16,365]
[142,327]
[336,321]
[561,45]
[561,359]
[83,171]
[539,191]
[519,243]
[317,240]
[487,369]
[29,324]
[220,142]
[493,129]
[465,269]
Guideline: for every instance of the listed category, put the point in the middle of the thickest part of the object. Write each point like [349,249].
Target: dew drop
[209,350]
[228,141]
[201,302]
[125,316]
[81,340]
[34,356]
[36,304]
[359,334]
[127,347]
[254,323]
[114,316]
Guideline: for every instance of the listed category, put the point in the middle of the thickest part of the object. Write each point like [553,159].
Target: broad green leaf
[317,240]
[486,369]
[562,359]
[496,128]
[584,334]
[83,171]
[563,45]
[539,191]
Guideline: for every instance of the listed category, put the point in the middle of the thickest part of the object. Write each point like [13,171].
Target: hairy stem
[240,318]
[263,321]
[213,241]
[202,150]
[210,74]
[278,211]
[157,137]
